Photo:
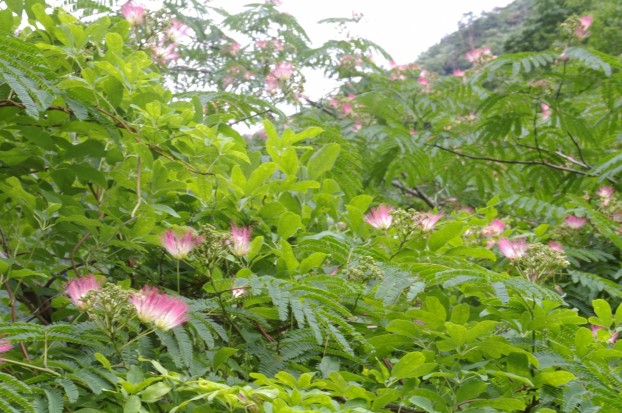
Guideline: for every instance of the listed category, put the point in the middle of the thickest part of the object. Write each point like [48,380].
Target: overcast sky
[405,28]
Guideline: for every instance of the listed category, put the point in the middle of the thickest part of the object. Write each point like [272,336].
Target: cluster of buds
[364,269]
[112,307]
[214,248]
[536,261]
[479,56]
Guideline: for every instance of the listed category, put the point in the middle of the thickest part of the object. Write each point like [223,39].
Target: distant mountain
[524,25]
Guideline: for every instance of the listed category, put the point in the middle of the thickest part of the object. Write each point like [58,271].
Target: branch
[414,192]
[515,162]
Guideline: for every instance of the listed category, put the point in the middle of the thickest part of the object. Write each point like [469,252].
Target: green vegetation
[412,243]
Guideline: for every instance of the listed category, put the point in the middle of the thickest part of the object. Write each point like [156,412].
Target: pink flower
[554,245]
[605,192]
[428,220]
[231,48]
[133,13]
[575,222]
[546,111]
[180,244]
[240,240]
[77,288]
[584,24]
[458,73]
[165,54]
[495,228]
[238,292]
[612,338]
[5,346]
[346,108]
[479,55]
[513,249]
[272,83]
[161,309]
[423,80]
[282,71]
[177,31]
[380,217]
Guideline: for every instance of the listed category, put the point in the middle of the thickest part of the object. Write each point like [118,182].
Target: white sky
[404,28]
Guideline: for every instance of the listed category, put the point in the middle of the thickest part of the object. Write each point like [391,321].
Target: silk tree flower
[282,71]
[458,73]
[159,308]
[240,240]
[554,245]
[513,249]
[238,292]
[133,13]
[612,338]
[165,54]
[479,55]
[5,346]
[575,222]
[423,80]
[79,287]
[584,24]
[179,244]
[495,228]
[177,31]
[546,111]
[605,192]
[380,217]
[427,221]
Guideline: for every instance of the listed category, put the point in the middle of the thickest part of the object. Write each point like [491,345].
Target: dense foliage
[412,243]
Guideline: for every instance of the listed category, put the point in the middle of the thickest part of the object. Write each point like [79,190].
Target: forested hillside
[525,25]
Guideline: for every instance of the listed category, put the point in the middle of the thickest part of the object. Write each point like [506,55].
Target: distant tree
[541,28]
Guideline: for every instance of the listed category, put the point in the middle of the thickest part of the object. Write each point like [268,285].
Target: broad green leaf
[408,366]
[289,224]
[322,160]
[555,378]
[449,231]
[155,392]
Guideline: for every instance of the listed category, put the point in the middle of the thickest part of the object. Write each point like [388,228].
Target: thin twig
[138,190]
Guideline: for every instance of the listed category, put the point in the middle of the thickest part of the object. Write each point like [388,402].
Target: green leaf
[132,405]
[445,234]
[555,378]
[322,160]
[289,224]
[155,392]
[312,261]
[408,366]
[603,312]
